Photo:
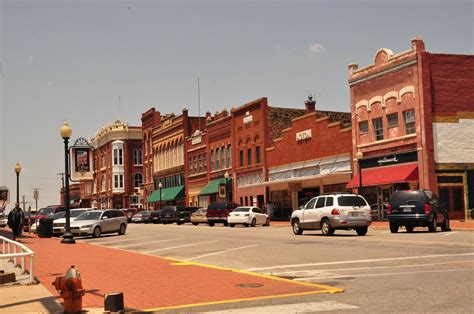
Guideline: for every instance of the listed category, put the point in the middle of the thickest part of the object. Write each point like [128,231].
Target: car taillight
[246,215]
[334,212]
[427,209]
[389,209]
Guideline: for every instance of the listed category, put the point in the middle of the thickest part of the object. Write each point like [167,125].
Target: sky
[74,59]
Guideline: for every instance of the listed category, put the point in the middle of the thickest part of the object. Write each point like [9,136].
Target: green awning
[167,194]
[213,187]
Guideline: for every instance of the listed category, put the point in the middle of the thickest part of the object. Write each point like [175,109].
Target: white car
[59,221]
[331,212]
[97,222]
[248,216]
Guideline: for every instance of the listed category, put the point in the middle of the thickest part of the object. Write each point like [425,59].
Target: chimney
[208,116]
[417,44]
[352,68]
[310,104]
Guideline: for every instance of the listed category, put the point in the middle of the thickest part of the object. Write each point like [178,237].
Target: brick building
[408,110]
[149,119]
[117,166]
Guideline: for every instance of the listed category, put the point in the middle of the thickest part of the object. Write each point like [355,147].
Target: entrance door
[453,198]
[382,200]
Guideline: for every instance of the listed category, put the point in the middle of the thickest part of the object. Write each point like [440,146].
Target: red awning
[386,175]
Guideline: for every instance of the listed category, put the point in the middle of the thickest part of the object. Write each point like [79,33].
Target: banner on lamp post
[81,160]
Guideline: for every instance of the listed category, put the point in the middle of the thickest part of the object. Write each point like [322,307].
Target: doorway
[453,198]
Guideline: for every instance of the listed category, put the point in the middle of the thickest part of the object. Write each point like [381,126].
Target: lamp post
[226,177]
[359,156]
[160,186]
[17,171]
[66,133]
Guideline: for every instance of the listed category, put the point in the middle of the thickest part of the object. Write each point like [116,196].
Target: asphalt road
[380,272]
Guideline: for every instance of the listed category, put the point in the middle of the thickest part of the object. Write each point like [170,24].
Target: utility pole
[62,184]
[23,202]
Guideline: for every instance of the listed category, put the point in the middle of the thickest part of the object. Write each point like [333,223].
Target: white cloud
[316,47]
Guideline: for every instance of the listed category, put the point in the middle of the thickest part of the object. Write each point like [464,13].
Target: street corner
[227,285]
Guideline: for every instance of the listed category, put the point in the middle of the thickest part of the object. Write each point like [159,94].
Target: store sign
[81,159]
[303,135]
[386,160]
[248,119]
[222,190]
[196,139]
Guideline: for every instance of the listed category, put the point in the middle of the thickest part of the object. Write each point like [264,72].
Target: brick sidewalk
[152,282]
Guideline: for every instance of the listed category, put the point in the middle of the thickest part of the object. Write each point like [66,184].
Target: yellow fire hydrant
[70,289]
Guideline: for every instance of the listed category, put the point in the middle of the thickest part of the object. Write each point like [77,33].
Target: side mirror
[301,207]
[104,217]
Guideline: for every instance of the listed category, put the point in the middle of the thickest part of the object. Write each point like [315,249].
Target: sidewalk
[150,282]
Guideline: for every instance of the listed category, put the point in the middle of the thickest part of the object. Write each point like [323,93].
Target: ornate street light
[226,177]
[66,133]
[160,186]
[17,171]
[359,156]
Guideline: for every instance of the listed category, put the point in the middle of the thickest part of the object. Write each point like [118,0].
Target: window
[218,159]
[257,154]
[320,202]
[137,157]
[310,204]
[364,127]
[410,122]
[241,158]
[103,183]
[191,165]
[378,129]
[212,160]
[118,181]
[392,120]
[249,156]
[251,200]
[118,158]
[204,163]
[195,170]
[229,159]
[137,180]
[329,201]
[224,151]
[200,163]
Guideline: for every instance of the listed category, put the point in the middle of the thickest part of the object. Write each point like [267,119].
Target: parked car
[169,214]
[141,217]
[417,208]
[184,215]
[43,213]
[199,216]
[129,212]
[155,216]
[3,220]
[59,219]
[218,212]
[333,211]
[248,216]
[97,222]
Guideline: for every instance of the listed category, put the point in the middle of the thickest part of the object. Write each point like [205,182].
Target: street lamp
[160,186]
[17,171]
[66,133]
[359,156]
[226,177]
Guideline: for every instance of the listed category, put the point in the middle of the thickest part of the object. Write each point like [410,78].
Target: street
[380,272]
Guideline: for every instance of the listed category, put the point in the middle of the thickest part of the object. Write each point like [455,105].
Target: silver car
[60,219]
[97,222]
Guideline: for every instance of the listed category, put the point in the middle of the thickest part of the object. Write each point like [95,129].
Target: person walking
[270,210]
[16,218]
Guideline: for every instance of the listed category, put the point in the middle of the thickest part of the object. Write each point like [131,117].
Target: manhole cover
[249,285]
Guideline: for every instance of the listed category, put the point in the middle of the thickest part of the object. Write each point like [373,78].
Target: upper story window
[200,163]
[229,157]
[204,163]
[118,181]
[392,120]
[191,165]
[249,156]
[137,157]
[410,121]
[218,158]
[364,127]
[241,161]
[137,180]
[103,183]
[212,160]
[118,157]
[258,155]
[378,129]
[224,159]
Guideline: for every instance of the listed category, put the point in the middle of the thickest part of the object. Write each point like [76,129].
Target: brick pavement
[152,282]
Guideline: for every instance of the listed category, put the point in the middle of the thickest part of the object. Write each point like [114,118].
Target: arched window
[103,183]
[138,180]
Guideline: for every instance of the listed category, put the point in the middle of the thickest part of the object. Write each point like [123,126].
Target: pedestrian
[16,218]
[270,210]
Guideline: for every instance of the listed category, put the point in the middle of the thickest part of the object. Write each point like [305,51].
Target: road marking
[124,240]
[372,267]
[293,308]
[391,274]
[141,243]
[220,252]
[358,261]
[448,233]
[176,247]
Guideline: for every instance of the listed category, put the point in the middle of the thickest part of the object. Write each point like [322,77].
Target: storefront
[169,196]
[218,190]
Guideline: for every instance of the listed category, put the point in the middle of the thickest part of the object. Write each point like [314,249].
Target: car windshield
[145,213]
[241,209]
[89,216]
[217,206]
[351,201]
[45,211]
[75,213]
[407,197]
[59,215]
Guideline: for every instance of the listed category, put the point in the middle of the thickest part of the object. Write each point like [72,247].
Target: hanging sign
[81,160]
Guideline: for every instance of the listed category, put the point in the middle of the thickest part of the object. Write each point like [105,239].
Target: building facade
[400,105]
[149,119]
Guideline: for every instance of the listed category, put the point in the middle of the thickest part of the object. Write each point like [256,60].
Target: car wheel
[393,227]
[445,226]
[122,229]
[226,223]
[211,224]
[179,223]
[195,223]
[295,223]
[326,228]
[232,225]
[254,223]
[432,226]
[267,223]
[362,231]
[409,228]
[96,232]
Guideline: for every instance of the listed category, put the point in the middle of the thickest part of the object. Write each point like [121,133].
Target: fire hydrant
[70,289]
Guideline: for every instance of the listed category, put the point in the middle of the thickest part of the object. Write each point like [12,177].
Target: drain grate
[249,285]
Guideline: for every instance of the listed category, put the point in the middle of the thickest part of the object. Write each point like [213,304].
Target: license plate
[236,214]
[407,210]
[354,214]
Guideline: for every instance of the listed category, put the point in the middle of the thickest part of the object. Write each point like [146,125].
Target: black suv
[184,215]
[169,214]
[417,208]
[155,216]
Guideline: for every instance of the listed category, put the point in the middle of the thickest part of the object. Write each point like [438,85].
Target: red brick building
[117,166]
[149,119]
[399,104]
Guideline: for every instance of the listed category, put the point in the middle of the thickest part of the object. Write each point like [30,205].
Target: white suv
[331,212]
